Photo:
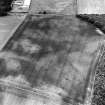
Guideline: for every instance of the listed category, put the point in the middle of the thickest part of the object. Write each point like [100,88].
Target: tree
[5,6]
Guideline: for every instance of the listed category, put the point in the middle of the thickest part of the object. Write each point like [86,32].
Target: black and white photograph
[52,52]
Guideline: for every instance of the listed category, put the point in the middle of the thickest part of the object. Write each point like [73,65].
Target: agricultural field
[52,56]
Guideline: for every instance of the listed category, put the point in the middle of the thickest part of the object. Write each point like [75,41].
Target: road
[8,25]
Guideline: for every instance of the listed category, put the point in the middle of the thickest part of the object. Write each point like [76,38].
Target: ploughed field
[51,55]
